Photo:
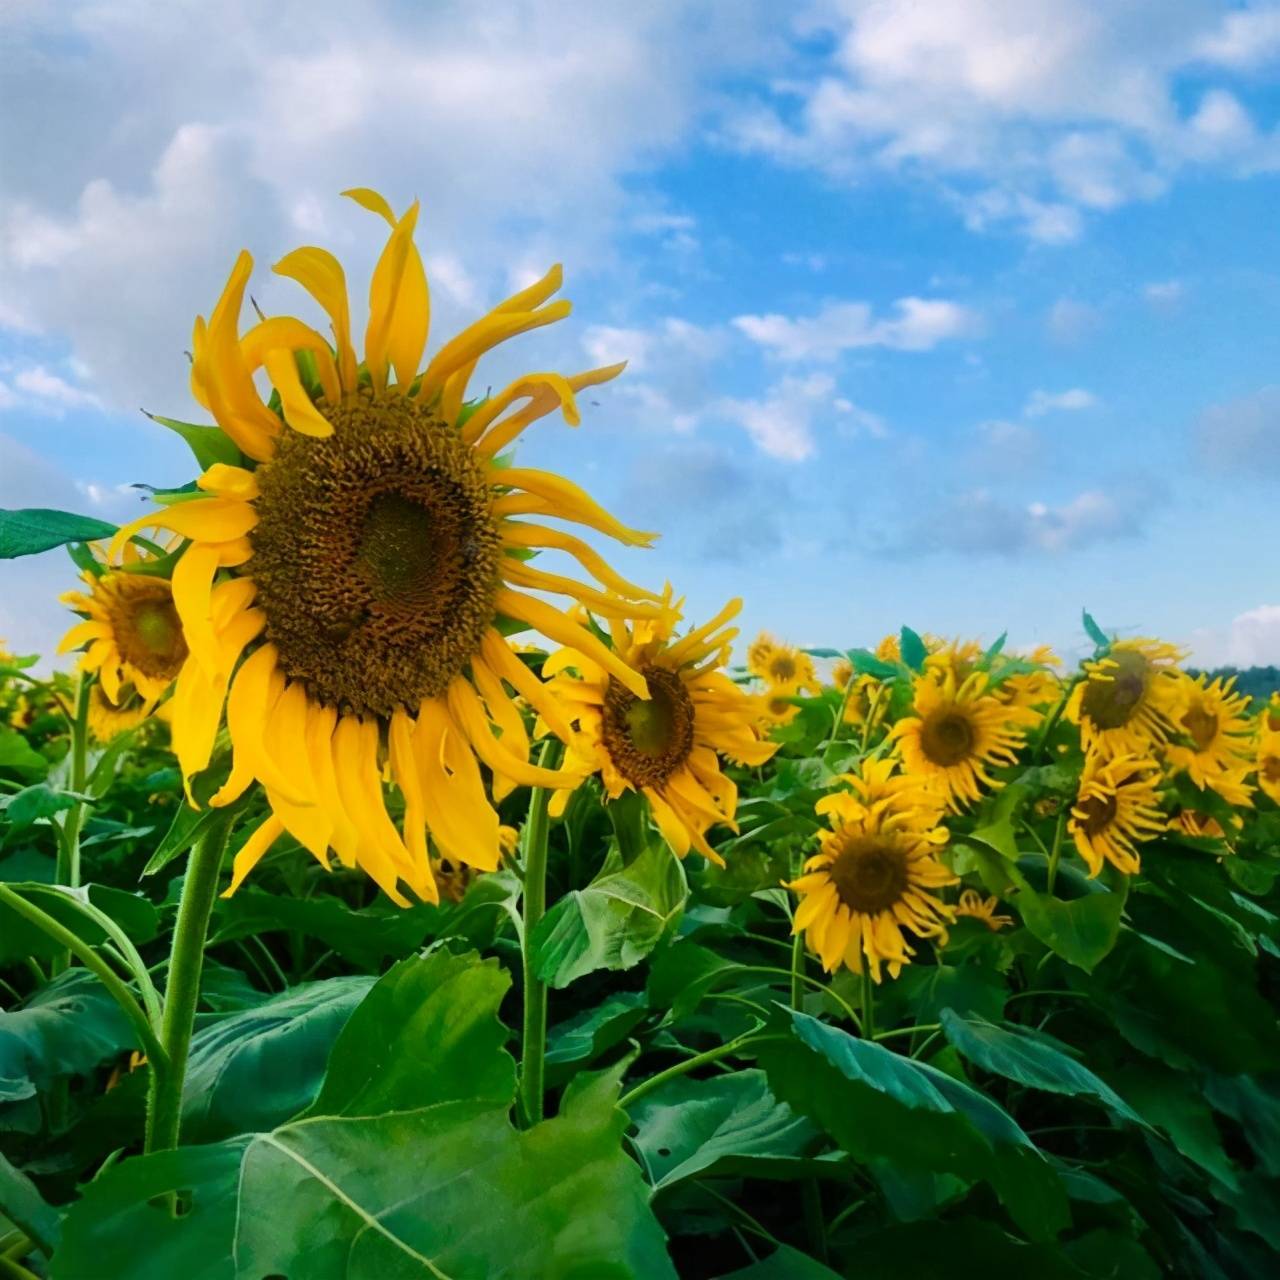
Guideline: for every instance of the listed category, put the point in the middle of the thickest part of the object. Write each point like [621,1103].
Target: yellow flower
[889,649]
[872,879]
[346,590]
[1217,738]
[842,673]
[784,668]
[132,631]
[667,747]
[1267,762]
[1269,719]
[958,732]
[1127,699]
[107,720]
[960,657]
[759,652]
[973,904]
[878,786]
[1117,807]
[1191,823]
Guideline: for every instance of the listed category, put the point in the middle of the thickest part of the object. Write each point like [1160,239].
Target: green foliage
[28,531]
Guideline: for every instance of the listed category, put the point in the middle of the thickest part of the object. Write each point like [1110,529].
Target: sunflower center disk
[1099,813]
[649,741]
[947,737]
[147,628]
[376,556]
[1201,726]
[782,669]
[1110,703]
[870,874]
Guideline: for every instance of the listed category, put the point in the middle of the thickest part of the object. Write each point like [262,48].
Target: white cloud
[918,325]
[782,421]
[1029,113]
[1041,402]
[526,129]
[1251,640]
[1243,435]
[1068,321]
[53,392]
[1163,295]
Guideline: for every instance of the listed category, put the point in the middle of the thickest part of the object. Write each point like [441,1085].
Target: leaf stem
[1056,852]
[689,1064]
[182,984]
[533,906]
[797,970]
[92,961]
[868,1003]
[68,869]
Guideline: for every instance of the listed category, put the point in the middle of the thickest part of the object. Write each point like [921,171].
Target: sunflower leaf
[30,530]
[913,649]
[1096,633]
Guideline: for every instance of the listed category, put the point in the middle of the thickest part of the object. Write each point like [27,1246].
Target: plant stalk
[1056,852]
[182,986]
[868,1003]
[533,906]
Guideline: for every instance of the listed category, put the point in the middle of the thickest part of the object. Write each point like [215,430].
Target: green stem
[815,1224]
[908,1031]
[797,970]
[1056,852]
[533,906]
[182,984]
[868,1003]
[1052,723]
[68,871]
[689,1064]
[92,961]
[872,712]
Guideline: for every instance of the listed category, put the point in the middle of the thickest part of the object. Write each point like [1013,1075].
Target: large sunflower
[667,747]
[347,589]
[1127,699]
[872,879]
[1215,738]
[1117,807]
[959,732]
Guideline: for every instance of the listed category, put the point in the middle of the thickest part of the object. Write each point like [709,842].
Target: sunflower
[784,668]
[667,747]
[958,732]
[871,880]
[889,649]
[1267,762]
[133,636]
[973,905]
[960,657]
[1269,718]
[1190,822]
[1215,744]
[346,590]
[879,785]
[1033,689]
[1128,698]
[108,720]
[842,674]
[1117,807]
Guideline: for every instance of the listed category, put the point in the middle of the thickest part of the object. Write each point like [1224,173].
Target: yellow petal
[321,274]
[252,851]
[497,653]
[399,307]
[371,200]
[193,599]
[290,334]
[299,411]
[569,502]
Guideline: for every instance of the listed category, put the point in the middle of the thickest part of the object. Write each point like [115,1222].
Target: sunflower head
[959,732]
[131,631]
[842,673]
[864,701]
[1267,763]
[871,882]
[668,745]
[1117,808]
[785,667]
[345,590]
[1214,737]
[1127,698]
[960,657]
[889,649]
[975,907]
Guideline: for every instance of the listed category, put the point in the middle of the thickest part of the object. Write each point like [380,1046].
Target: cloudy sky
[963,313]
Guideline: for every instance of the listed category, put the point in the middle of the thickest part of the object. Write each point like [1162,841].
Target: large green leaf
[67,1028]
[1255,1106]
[879,1105]
[443,1187]
[1082,931]
[17,754]
[784,1263]
[22,1204]
[1030,1058]
[20,938]
[29,805]
[428,1032]
[591,1032]
[728,1124]
[615,921]
[28,531]
[261,1066]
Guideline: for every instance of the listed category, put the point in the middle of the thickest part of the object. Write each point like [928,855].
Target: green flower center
[648,740]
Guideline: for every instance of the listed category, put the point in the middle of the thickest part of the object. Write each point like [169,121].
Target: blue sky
[963,315]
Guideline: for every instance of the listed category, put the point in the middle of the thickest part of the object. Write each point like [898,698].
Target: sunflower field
[391,888]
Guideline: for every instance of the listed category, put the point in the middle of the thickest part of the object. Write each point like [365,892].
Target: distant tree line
[1258,682]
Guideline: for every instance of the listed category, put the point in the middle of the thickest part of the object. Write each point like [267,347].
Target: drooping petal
[321,275]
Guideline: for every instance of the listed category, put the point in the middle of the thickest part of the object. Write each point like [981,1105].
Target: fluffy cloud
[918,324]
[1252,639]
[1242,435]
[1041,402]
[237,127]
[38,388]
[1031,113]
[984,523]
